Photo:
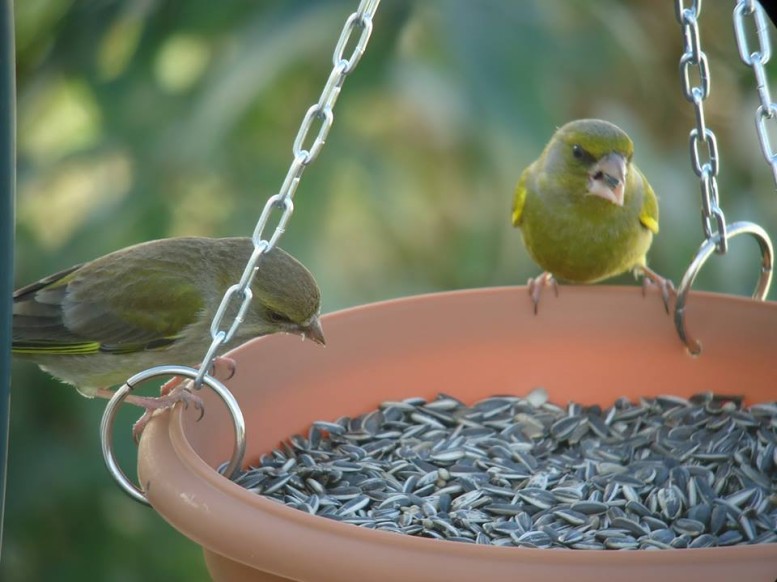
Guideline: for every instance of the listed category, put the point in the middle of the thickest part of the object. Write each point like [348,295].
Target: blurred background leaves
[141,119]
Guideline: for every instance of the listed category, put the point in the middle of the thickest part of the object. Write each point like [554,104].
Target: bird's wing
[648,214]
[74,312]
[519,199]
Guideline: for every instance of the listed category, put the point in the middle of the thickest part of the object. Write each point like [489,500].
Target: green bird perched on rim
[97,324]
[585,210]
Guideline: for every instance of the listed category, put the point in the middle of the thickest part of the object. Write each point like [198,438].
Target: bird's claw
[223,368]
[173,396]
[537,284]
[173,392]
[667,288]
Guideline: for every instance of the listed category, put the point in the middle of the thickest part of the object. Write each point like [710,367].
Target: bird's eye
[274,316]
[577,152]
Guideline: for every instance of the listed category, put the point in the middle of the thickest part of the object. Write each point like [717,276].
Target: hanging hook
[106,425]
[707,248]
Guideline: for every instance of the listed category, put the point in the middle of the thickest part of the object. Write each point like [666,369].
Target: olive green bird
[97,324]
[585,211]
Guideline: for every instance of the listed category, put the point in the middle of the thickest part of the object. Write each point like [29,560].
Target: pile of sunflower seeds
[664,472]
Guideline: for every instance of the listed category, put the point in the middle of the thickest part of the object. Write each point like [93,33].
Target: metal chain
[757,60]
[238,296]
[705,165]
[320,114]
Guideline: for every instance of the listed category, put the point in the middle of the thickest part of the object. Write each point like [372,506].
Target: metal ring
[707,248]
[106,425]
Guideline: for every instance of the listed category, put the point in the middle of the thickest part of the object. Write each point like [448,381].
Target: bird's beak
[313,331]
[607,178]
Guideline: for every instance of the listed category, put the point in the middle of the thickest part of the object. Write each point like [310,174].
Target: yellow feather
[648,214]
[58,349]
[649,223]
[519,199]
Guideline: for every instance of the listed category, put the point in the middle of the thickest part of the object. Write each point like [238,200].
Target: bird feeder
[590,345]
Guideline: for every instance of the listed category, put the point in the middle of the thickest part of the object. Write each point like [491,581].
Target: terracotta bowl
[590,345]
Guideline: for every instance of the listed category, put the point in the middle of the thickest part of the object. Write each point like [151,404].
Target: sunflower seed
[656,473]
[703,541]
[562,429]
[670,501]
[537,497]
[589,507]
[331,427]
[746,527]
[354,505]
[504,508]
[571,516]
[729,538]
[632,527]
[622,542]
[537,539]
[691,527]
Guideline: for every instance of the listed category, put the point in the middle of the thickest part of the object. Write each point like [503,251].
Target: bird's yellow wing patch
[648,214]
[34,348]
[519,199]
[649,223]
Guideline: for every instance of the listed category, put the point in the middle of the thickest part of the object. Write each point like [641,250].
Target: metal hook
[106,425]
[707,248]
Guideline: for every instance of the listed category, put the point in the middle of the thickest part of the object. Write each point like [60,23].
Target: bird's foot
[650,278]
[172,392]
[537,284]
[141,401]
[170,399]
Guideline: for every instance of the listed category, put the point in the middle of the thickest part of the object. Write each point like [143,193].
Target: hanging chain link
[238,297]
[757,59]
[707,164]
[305,150]
[705,160]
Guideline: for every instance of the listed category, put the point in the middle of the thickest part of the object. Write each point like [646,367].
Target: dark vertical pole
[771,9]
[7,187]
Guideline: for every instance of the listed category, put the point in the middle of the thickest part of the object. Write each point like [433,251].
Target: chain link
[305,150]
[757,59]
[705,160]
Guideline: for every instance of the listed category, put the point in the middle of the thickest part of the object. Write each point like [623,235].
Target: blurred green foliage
[141,119]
